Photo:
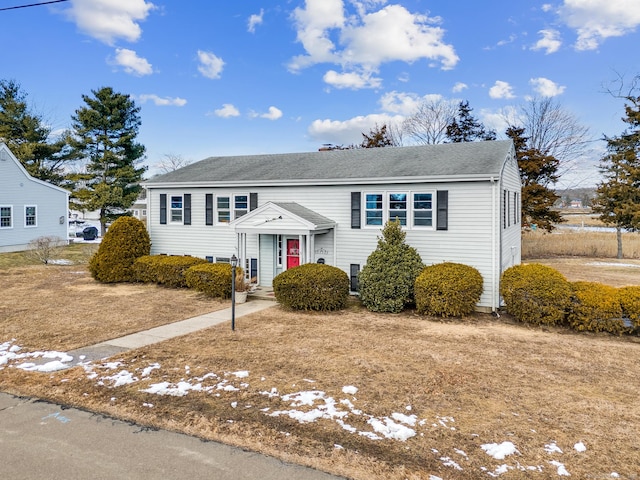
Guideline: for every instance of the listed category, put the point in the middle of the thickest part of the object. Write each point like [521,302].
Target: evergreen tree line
[97,159]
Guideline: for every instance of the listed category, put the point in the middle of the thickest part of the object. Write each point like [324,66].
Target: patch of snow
[499,451]
[406,419]
[391,429]
[580,447]
[448,462]
[147,371]
[561,470]
[552,448]
[433,477]
[241,373]
[350,390]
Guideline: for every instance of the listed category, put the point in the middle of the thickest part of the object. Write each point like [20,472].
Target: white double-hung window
[411,209]
[230,207]
[30,216]
[6,216]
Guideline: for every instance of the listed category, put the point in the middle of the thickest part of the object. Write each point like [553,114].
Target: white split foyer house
[456,202]
[29,208]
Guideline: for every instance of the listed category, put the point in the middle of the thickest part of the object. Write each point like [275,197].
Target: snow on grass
[305,406]
[499,451]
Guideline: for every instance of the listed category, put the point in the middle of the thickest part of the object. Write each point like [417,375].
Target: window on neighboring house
[398,207]
[6,217]
[144,213]
[373,209]
[30,216]
[176,208]
[423,209]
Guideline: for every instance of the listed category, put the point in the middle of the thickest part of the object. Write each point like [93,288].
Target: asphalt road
[40,440]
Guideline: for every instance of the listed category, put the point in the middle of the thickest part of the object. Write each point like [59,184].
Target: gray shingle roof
[454,160]
[305,213]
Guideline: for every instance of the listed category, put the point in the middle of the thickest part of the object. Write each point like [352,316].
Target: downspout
[494,233]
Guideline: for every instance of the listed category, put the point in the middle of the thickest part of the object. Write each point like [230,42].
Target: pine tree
[29,139]
[105,131]
[618,195]
[465,128]
[537,172]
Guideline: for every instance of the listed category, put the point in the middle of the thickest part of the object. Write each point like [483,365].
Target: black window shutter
[353,277]
[253,201]
[208,200]
[355,209]
[442,210]
[187,209]
[163,209]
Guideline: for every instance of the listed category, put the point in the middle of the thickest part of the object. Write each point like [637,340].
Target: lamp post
[234,264]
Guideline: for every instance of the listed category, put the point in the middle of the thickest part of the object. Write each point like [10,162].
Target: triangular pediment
[282,218]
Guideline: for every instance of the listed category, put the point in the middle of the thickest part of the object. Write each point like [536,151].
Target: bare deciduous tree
[44,249]
[554,131]
[428,125]
[172,162]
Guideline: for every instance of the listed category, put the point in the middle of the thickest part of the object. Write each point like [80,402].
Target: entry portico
[287,235]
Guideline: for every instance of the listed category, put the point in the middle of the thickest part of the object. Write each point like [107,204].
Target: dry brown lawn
[469,382]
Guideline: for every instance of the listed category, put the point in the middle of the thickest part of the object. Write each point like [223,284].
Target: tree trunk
[619,237]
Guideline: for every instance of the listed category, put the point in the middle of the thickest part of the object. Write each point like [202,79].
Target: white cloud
[546,88]
[131,62]
[254,20]
[550,41]
[367,40]
[403,103]
[352,80]
[459,87]
[210,65]
[109,20]
[597,20]
[501,90]
[228,110]
[547,7]
[499,120]
[350,131]
[162,101]
[274,113]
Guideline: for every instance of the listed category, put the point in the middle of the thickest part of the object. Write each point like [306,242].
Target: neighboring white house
[457,202]
[29,208]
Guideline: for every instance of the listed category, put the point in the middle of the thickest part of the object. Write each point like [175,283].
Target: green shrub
[596,308]
[535,293]
[312,286]
[630,303]
[165,270]
[212,279]
[386,282]
[448,290]
[125,241]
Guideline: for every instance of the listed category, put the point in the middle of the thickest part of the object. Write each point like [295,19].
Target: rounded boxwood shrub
[386,282]
[596,308]
[312,286]
[534,293]
[630,303]
[165,270]
[448,290]
[212,279]
[126,240]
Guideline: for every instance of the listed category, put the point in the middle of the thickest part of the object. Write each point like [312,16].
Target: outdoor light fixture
[234,264]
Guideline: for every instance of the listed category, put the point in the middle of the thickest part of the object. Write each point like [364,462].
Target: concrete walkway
[165,332]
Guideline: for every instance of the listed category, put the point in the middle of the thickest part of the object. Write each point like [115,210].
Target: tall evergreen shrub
[386,282]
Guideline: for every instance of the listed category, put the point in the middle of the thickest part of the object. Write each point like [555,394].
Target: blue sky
[250,76]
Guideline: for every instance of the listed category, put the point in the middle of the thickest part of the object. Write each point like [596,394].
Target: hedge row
[168,271]
[538,294]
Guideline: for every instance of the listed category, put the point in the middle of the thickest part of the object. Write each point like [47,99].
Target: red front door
[293,253]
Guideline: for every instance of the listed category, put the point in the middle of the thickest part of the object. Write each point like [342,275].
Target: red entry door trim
[293,252]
